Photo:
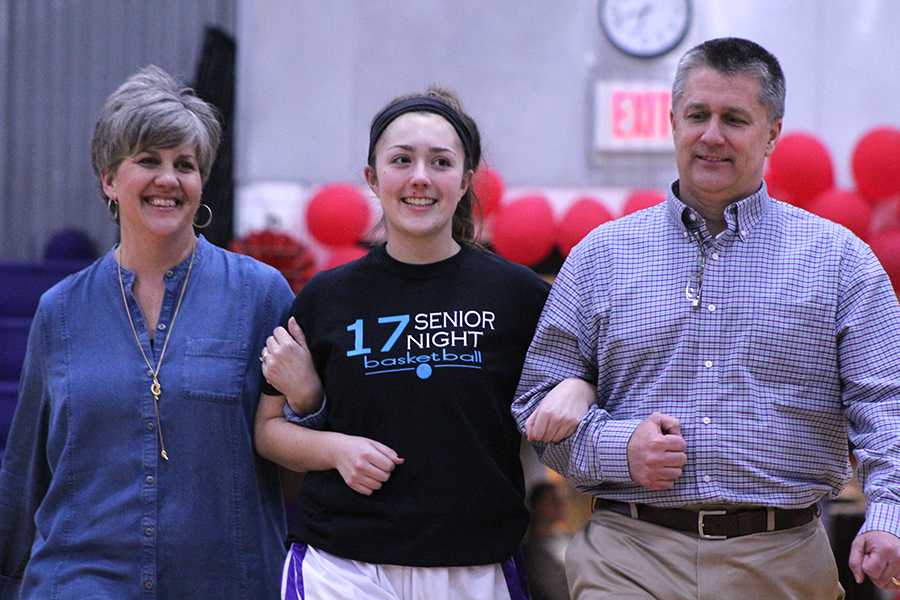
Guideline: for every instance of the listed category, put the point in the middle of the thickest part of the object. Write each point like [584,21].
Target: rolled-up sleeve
[313,420]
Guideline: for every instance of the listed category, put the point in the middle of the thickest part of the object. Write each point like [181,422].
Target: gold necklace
[155,388]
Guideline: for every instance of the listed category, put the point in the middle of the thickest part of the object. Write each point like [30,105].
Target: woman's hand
[364,464]
[559,413]
[287,365]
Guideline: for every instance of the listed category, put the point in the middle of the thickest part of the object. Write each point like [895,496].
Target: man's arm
[868,336]
[572,325]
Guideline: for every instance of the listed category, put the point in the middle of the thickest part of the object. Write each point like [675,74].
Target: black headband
[423,104]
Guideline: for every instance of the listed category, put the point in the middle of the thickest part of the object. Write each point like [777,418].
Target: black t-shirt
[424,359]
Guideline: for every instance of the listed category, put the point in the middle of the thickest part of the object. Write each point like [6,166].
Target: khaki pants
[617,557]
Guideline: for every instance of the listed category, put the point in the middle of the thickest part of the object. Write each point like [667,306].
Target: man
[735,342]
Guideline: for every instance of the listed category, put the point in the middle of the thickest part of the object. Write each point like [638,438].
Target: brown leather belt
[713,524]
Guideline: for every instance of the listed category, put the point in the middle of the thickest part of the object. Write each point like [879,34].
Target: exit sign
[632,117]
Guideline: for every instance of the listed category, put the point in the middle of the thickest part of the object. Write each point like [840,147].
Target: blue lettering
[401,321]
[357,328]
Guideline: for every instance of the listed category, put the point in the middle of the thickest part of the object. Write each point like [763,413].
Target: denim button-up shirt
[88,508]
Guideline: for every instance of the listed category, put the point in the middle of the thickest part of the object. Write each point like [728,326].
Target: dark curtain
[215,82]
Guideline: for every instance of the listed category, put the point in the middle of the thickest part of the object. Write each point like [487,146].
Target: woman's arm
[288,366]
[25,474]
[364,464]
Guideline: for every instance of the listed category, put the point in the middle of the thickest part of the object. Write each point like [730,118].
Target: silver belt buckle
[700,516]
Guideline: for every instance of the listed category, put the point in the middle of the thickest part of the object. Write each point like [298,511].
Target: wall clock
[645,28]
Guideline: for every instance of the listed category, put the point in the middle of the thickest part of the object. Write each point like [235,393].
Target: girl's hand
[559,413]
[364,464]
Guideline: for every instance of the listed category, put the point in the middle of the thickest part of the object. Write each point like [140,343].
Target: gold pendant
[156,390]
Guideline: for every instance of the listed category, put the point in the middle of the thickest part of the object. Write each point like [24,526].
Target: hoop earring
[208,220]
[113,208]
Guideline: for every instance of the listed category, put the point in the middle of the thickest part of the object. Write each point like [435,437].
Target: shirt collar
[741,216]
[111,265]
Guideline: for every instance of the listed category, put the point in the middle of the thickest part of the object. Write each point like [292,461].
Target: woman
[415,488]
[130,470]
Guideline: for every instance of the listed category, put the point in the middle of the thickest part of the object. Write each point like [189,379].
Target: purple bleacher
[21,286]
[14,336]
[70,244]
[22,283]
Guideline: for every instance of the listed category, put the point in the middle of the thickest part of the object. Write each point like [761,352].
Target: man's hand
[559,413]
[364,464]
[289,367]
[876,554]
[656,452]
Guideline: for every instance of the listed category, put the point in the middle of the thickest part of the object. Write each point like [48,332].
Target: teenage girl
[414,486]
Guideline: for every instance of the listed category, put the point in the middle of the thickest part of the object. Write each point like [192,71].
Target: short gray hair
[152,110]
[734,56]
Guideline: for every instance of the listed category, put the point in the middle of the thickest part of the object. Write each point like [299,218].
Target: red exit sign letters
[632,117]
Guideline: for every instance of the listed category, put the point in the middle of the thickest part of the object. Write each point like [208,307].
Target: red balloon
[886,214]
[641,199]
[776,192]
[801,167]
[845,207]
[524,230]
[876,163]
[583,215]
[886,246]
[342,255]
[488,187]
[337,215]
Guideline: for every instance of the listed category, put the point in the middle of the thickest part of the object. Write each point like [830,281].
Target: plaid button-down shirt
[793,347]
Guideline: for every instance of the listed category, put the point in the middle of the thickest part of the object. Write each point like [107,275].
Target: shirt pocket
[792,347]
[214,370]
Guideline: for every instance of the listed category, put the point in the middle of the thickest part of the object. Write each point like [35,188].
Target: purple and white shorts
[312,574]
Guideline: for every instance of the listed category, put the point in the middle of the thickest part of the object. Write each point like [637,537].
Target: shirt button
[149,426]
[707,478]
[161,326]
[169,274]
[715,256]
[148,585]
[149,479]
[712,308]
[707,420]
[708,364]
[148,531]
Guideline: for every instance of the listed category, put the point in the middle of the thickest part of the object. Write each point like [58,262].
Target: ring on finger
[263,355]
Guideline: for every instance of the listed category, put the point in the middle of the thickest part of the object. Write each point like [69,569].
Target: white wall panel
[59,59]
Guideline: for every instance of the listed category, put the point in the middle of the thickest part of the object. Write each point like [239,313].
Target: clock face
[645,28]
